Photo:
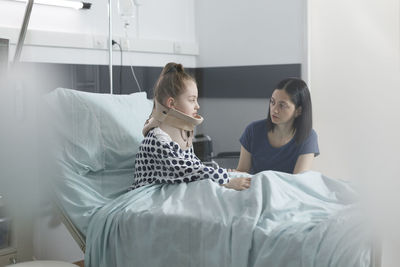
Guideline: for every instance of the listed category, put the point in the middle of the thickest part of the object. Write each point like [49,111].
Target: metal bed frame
[79,238]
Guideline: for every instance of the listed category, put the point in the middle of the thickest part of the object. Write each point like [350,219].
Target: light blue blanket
[282,220]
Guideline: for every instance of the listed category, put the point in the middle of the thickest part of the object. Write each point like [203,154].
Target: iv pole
[24,27]
[110,55]
[22,33]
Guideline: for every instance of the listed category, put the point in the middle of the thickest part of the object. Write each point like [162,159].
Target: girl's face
[187,102]
[281,108]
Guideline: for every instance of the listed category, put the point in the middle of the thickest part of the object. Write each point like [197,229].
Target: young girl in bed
[166,154]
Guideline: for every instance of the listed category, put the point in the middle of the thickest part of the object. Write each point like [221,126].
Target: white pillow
[99,136]
[100,131]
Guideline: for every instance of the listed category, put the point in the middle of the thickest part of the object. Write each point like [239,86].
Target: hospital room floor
[80,263]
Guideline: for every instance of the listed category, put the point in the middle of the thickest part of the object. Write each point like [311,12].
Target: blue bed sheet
[282,220]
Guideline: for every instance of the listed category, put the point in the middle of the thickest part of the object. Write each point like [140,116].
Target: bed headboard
[98,138]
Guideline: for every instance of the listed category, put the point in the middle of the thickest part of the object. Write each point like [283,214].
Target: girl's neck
[178,135]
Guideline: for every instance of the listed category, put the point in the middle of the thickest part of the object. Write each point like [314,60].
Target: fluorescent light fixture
[28,11]
[62,3]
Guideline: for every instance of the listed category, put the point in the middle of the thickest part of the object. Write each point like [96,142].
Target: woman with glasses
[285,140]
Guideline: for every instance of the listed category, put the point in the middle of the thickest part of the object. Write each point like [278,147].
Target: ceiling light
[62,3]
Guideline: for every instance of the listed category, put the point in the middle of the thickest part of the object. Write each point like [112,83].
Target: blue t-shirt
[265,157]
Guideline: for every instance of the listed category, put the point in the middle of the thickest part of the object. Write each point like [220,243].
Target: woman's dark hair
[298,91]
[171,82]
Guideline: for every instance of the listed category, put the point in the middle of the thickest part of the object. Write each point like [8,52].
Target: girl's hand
[239,184]
[235,170]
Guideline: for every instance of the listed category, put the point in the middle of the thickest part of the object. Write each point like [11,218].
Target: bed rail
[76,234]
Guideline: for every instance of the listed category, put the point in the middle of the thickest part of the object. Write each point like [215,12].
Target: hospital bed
[282,220]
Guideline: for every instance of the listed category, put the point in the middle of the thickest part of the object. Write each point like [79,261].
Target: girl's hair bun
[173,68]
[172,82]
[179,67]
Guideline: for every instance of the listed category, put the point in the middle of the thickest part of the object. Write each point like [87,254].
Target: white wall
[354,49]
[354,64]
[164,32]
[268,32]
[60,35]
[256,32]
[242,33]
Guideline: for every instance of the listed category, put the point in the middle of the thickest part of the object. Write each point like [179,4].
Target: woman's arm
[244,164]
[303,163]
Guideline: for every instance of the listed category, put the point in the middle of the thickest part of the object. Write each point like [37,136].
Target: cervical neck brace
[172,117]
[176,118]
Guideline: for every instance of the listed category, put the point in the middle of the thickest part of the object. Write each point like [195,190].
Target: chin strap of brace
[174,118]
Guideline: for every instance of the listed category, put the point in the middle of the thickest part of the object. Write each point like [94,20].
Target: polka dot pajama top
[161,161]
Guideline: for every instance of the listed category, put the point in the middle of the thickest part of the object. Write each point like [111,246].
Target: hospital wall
[196,33]
[267,34]
[246,35]
[354,67]
[59,43]
[163,31]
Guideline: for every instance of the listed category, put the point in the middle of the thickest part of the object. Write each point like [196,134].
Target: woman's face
[282,109]
[187,101]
